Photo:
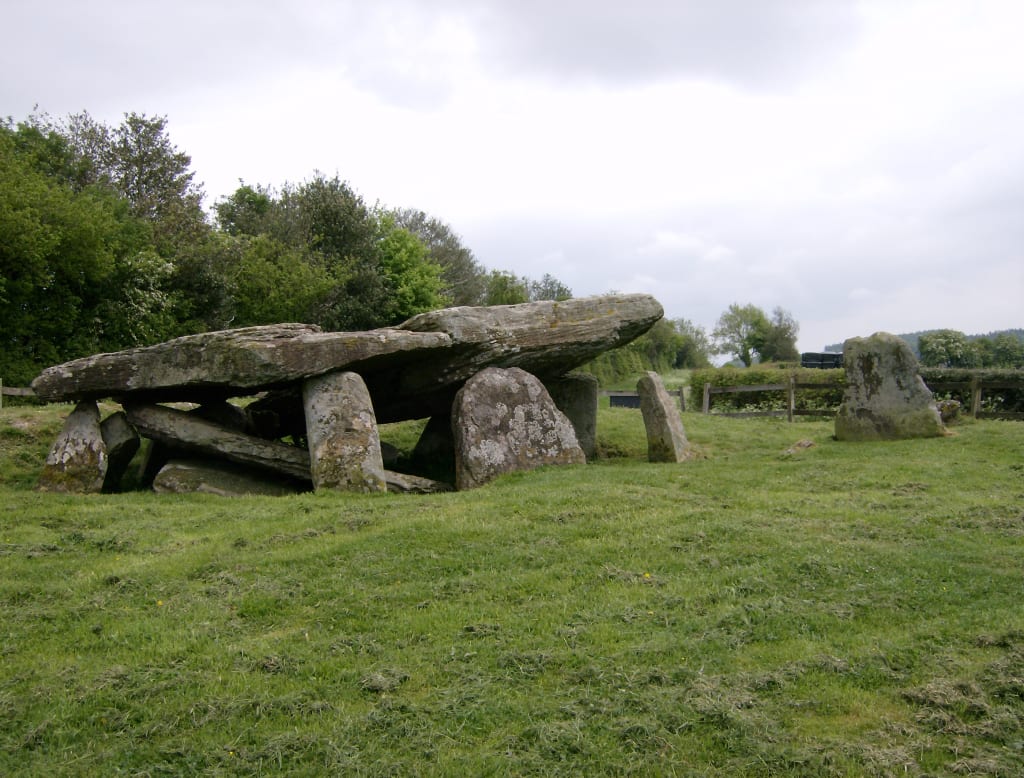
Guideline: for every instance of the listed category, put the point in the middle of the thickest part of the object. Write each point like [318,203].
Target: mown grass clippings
[851,610]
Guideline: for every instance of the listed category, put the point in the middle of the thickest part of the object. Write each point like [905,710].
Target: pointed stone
[77,462]
[122,442]
[666,438]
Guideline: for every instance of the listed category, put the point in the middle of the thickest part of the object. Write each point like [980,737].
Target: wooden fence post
[791,397]
[975,396]
[707,398]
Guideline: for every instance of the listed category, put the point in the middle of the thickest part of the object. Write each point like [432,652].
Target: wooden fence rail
[13,391]
[976,387]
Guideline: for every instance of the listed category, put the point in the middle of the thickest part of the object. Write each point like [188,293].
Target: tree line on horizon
[105,245]
[953,348]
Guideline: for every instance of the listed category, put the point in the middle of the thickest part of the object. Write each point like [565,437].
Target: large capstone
[77,461]
[344,443]
[885,397]
[666,439]
[504,421]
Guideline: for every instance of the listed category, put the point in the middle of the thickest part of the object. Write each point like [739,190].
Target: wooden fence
[632,399]
[13,391]
[975,386]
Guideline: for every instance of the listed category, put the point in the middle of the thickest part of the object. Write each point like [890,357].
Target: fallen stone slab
[885,397]
[181,430]
[402,483]
[230,363]
[221,478]
[77,462]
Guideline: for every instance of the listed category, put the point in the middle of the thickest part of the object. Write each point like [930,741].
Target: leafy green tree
[412,279]
[464,279]
[504,288]
[945,348]
[779,341]
[741,330]
[1007,351]
[548,288]
[693,348]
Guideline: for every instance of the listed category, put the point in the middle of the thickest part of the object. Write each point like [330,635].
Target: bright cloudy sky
[860,164]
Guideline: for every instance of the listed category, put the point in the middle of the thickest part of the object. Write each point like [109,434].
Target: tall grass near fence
[765,609]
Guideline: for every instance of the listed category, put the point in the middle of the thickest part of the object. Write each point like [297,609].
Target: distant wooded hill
[913,338]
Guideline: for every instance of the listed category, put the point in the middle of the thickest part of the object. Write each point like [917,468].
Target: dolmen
[285,407]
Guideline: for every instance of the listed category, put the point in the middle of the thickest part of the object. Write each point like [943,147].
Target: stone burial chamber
[283,408]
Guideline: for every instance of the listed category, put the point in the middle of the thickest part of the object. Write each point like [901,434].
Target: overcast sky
[860,164]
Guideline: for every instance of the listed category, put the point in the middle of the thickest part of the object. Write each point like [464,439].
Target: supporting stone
[885,397]
[666,439]
[122,442]
[77,462]
[575,395]
[503,421]
[344,443]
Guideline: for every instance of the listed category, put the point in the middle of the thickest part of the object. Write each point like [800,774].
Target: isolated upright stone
[77,462]
[344,443]
[504,420]
[575,395]
[885,397]
[666,439]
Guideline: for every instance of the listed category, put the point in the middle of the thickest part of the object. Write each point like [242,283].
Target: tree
[779,342]
[504,288]
[693,347]
[548,288]
[412,279]
[944,348]
[464,280]
[741,331]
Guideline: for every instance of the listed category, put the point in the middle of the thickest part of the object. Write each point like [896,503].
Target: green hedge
[994,400]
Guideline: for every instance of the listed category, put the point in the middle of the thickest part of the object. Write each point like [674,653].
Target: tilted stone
[180,430]
[122,443]
[77,462]
[885,397]
[401,483]
[504,421]
[231,362]
[344,443]
[666,439]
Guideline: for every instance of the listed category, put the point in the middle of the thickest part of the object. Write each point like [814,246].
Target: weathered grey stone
[503,421]
[181,430]
[77,462]
[221,478]
[402,483]
[666,439]
[122,443]
[232,362]
[344,443]
[575,395]
[548,339]
[885,397]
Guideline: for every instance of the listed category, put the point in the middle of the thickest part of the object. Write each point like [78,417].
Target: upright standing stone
[666,439]
[575,395]
[504,420]
[885,397]
[344,443]
[77,462]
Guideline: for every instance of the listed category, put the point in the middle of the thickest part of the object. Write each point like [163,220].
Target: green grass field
[835,610]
